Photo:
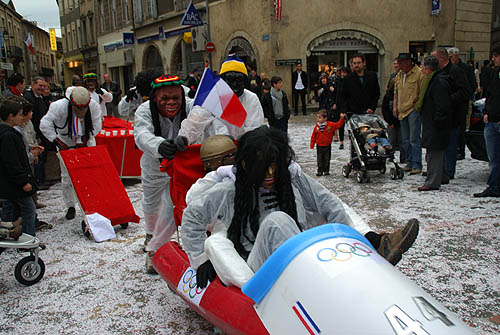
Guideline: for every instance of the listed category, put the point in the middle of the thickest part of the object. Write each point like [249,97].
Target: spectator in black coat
[114,88]
[192,82]
[471,81]
[484,77]
[254,82]
[299,88]
[361,90]
[435,109]
[17,183]
[40,107]
[460,95]
[394,129]
[275,105]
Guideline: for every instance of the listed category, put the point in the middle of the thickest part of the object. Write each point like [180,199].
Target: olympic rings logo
[343,252]
[189,284]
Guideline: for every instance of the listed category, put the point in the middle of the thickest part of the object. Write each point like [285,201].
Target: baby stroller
[364,159]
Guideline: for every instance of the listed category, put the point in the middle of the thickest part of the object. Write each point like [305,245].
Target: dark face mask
[236,81]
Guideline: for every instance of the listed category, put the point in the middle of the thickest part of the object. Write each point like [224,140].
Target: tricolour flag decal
[306,319]
[215,95]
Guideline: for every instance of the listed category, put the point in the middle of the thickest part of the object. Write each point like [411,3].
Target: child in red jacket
[322,137]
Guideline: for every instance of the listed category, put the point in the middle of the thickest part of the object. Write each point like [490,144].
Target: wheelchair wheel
[28,272]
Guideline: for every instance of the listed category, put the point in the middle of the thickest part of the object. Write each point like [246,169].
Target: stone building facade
[12,36]
[329,35]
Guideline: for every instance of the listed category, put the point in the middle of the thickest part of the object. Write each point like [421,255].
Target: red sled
[97,185]
[227,308]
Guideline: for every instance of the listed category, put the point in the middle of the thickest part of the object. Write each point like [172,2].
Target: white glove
[226,171]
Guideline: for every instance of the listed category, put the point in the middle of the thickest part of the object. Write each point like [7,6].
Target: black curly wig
[257,149]
[144,78]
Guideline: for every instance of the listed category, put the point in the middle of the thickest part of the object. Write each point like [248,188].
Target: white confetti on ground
[101,288]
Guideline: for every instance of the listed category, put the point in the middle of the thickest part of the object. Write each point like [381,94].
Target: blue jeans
[450,155]
[24,208]
[492,139]
[411,141]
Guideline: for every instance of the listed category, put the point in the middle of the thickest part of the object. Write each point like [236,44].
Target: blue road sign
[191,17]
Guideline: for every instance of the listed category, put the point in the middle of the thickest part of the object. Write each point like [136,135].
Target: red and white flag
[29,43]
[279,6]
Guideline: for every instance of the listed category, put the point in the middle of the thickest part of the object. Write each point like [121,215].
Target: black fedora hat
[404,55]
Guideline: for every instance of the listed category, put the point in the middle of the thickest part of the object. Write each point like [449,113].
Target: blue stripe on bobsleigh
[258,286]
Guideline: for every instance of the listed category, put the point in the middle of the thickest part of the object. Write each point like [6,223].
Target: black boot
[70,214]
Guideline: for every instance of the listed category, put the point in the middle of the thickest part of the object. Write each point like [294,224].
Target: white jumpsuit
[201,124]
[315,205]
[54,124]
[156,203]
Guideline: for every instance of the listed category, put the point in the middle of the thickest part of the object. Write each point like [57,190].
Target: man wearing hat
[406,92]
[99,95]
[201,123]
[156,133]
[72,122]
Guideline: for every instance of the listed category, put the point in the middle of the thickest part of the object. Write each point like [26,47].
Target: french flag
[305,319]
[215,95]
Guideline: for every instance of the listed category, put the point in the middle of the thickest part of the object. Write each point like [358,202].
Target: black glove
[130,95]
[167,149]
[181,142]
[60,144]
[205,273]
[99,91]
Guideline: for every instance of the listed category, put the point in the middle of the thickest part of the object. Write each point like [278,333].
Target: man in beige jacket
[406,91]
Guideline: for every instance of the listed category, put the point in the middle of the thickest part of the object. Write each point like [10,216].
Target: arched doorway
[152,58]
[335,48]
[243,49]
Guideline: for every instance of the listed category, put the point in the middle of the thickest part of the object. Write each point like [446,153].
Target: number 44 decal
[403,324]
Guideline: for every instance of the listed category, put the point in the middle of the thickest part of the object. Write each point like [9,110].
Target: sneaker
[326,173]
[407,169]
[415,171]
[146,241]
[395,244]
[149,263]
[319,174]
[341,146]
[70,214]
[41,225]
[488,192]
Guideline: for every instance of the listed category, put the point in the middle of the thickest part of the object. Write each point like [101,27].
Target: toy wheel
[346,170]
[124,225]
[393,174]
[28,272]
[400,173]
[85,229]
[359,177]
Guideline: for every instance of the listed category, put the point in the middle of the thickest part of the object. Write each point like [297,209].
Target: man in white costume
[139,93]
[156,133]
[269,201]
[202,124]
[99,95]
[72,122]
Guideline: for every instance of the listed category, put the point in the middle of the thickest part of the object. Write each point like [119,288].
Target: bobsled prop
[326,280]
[97,186]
